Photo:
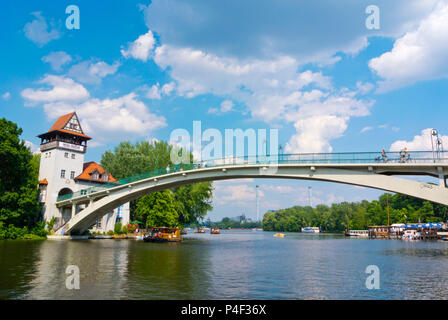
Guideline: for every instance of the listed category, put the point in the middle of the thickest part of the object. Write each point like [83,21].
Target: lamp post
[258,205]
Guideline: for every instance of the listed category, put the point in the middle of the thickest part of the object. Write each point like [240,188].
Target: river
[236,264]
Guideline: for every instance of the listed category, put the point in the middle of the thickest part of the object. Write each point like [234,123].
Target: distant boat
[257,229]
[214,231]
[311,229]
[199,230]
[411,235]
[279,235]
[163,234]
[357,233]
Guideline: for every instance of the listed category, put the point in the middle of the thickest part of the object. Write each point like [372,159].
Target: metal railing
[303,158]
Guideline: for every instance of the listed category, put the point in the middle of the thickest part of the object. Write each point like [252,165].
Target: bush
[124,230]
[117,228]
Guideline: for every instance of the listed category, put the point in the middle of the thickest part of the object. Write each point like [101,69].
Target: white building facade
[63,171]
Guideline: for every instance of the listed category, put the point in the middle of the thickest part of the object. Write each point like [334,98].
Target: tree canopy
[20,211]
[356,215]
[187,204]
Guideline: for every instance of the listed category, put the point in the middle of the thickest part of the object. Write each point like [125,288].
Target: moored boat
[163,234]
[311,229]
[214,231]
[357,233]
[411,235]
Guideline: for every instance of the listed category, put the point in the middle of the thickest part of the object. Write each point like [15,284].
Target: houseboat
[163,234]
[311,229]
[357,233]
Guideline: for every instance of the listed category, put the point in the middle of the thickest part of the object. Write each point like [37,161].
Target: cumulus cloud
[141,48]
[57,59]
[418,55]
[272,90]
[63,89]
[310,31]
[91,72]
[156,93]
[421,142]
[104,119]
[38,30]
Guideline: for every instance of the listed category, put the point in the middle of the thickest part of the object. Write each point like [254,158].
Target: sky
[137,70]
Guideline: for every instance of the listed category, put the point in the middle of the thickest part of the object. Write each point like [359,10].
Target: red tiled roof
[91,167]
[59,126]
[61,122]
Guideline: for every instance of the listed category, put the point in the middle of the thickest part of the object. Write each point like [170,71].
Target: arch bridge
[366,169]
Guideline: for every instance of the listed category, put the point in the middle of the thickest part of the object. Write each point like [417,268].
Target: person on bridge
[384,156]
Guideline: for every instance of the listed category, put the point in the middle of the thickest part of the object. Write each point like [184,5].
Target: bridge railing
[303,158]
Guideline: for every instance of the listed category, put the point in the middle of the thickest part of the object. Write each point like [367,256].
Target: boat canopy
[424,225]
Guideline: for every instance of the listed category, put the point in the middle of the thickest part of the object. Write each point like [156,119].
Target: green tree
[191,201]
[158,209]
[19,206]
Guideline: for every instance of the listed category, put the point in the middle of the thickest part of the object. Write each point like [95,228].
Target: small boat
[311,229]
[214,231]
[257,229]
[279,235]
[139,237]
[163,234]
[199,230]
[357,233]
[411,235]
[119,237]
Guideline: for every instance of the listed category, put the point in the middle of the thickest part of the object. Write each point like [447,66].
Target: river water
[233,265]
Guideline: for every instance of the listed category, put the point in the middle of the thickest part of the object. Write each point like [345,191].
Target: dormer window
[95,176]
[105,177]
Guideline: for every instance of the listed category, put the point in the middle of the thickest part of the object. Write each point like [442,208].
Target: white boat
[357,233]
[411,235]
[311,229]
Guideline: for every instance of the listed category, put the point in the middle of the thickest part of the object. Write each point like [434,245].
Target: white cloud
[141,48]
[272,90]
[37,30]
[365,129]
[420,142]
[57,59]
[64,89]
[226,106]
[108,119]
[90,72]
[154,92]
[6,95]
[309,31]
[419,55]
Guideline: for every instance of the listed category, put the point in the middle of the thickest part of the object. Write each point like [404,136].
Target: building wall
[51,164]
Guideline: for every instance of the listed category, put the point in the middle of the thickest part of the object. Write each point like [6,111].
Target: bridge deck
[394,159]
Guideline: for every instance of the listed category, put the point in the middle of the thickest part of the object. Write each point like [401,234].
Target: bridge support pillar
[73,209]
[442,181]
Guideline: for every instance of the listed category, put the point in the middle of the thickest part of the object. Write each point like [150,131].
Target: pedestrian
[384,156]
[403,155]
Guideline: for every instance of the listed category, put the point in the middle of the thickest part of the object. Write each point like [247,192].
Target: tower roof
[67,123]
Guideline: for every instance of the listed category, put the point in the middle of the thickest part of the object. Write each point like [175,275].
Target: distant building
[63,171]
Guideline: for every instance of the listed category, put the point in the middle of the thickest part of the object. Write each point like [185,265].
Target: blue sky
[138,70]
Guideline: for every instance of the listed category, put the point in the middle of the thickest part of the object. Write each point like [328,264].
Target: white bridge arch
[370,173]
